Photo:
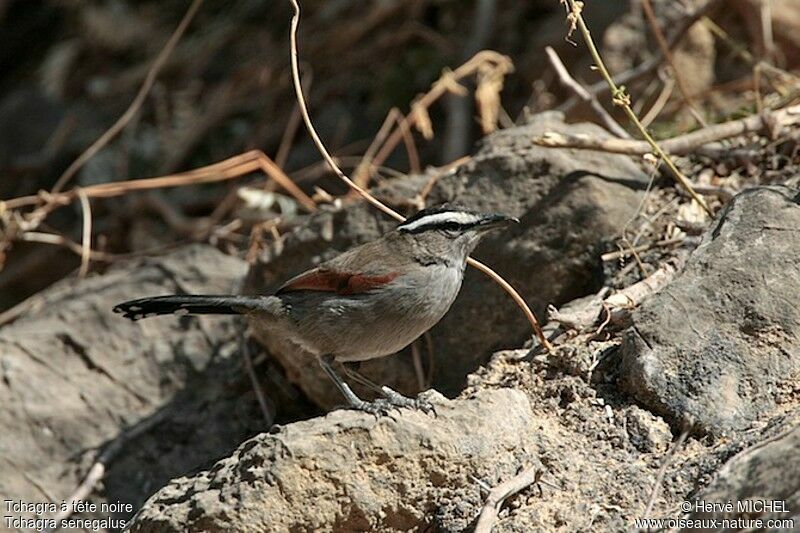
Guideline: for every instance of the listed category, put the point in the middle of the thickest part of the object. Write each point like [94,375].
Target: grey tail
[190,305]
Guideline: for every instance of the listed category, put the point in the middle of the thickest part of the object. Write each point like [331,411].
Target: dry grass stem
[23,227]
[137,102]
[722,35]
[289,133]
[416,358]
[622,99]
[662,471]
[59,240]
[288,136]
[269,415]
[617,305]
[419,200]
[371,199]
[767,38]
[637,73]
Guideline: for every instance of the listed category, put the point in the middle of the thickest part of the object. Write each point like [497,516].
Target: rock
[351,471]
[648,433]
[569,201]
[718,347]
[768,472]
[75,375]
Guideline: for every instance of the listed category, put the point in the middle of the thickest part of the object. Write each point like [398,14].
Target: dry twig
[59,240]
[768,41]
[282,154]
[365,167]
[610,256]
[581,92]
[488,64]
[23,227]
[771,123]
[500,493]
[233,167]
[419,200]
[660,102]
[618,305]
[376,203]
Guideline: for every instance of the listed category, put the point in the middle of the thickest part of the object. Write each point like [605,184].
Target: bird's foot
[398,400]
[377,408]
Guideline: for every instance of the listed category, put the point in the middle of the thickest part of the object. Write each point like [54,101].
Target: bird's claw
[393,401]
[400,401]
[376,408]
[421,404]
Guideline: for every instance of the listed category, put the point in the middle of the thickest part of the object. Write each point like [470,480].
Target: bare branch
[233,167]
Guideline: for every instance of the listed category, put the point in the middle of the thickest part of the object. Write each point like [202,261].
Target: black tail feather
[188,304]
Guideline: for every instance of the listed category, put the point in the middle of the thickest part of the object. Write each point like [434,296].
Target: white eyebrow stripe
[458,217]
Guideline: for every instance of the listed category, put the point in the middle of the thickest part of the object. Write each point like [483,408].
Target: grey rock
[766,472]
[74,376]
[568,201]
[351,471]
[718,347]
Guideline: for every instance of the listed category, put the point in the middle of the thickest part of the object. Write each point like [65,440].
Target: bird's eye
[451,228]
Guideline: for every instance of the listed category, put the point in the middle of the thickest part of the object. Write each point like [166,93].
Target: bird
[368,302]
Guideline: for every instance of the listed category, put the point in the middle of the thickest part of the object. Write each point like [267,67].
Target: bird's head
[448,228]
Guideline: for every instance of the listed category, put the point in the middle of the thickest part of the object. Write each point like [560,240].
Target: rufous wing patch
[338,282]
[358,283]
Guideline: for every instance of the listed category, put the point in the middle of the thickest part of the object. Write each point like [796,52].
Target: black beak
[496,220]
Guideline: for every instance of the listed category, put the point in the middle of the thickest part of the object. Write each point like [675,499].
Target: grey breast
[377,323]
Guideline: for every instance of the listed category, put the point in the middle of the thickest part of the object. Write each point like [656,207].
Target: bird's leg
[391,395]
[326,361]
